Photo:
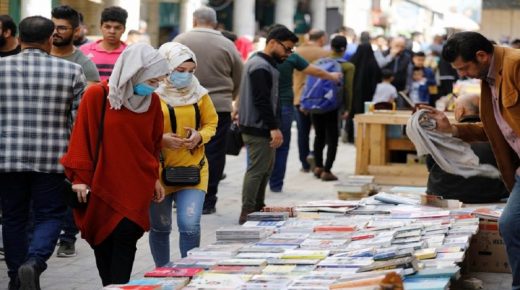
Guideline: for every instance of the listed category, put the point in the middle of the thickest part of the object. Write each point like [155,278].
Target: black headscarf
[366,77]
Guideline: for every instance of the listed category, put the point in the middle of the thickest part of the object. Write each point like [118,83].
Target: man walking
[259,116]
[219,71]
[67,24]
[34,132]
[474,56]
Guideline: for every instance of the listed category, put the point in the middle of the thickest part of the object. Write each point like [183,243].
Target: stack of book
[378,243]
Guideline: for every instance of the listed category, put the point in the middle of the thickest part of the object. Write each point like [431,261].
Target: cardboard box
[487,252]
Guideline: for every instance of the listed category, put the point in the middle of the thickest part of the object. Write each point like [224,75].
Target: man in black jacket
[259,116]
[476,189]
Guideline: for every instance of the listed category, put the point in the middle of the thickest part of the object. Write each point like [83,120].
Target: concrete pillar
[319,14]
[133,7]
[36,7]
[357,15]
[187,9]
[244,17]
[284,13]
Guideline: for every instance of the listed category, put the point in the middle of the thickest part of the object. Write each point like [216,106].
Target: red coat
[124,181]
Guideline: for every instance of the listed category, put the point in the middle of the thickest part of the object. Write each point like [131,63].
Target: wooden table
[373,147]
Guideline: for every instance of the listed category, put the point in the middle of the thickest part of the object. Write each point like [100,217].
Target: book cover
[173,272]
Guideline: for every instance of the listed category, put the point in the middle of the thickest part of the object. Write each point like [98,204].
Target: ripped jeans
[189,204]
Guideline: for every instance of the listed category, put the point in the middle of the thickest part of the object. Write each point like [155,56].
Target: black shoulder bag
[182,175]
[70,196]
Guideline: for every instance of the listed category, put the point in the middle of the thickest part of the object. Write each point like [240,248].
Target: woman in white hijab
[190,120]
[123,182]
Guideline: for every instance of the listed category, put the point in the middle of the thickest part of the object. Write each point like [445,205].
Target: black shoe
[223,176]
[209,210]
[29,276]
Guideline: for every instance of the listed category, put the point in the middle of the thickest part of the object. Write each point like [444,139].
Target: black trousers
[327,133]
[115,255]
[216,155]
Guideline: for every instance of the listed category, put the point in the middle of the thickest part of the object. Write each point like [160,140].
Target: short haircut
[338,43]
[8,24]
[418,68]
[387,74]
[515,41]
[281,33]
[465,44]
[205,15]
[68,13]
[419,54]
[315,35]
[36,29]
[114,13]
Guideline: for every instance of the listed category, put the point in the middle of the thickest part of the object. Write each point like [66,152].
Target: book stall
[389,240]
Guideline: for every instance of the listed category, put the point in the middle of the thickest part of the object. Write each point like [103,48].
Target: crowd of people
[139,130]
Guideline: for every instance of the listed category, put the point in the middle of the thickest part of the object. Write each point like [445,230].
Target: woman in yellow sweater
[190,120]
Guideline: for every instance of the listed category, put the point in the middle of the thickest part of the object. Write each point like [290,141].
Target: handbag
[71,197]
[182,175]
[234,142]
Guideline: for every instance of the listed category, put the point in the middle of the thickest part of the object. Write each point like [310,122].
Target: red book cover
[335,228]
[173,272]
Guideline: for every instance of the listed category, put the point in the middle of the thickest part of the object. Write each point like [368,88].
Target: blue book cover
[426,283]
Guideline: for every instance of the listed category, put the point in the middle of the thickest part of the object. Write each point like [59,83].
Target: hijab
[176,54]
[138,62]
[366,76]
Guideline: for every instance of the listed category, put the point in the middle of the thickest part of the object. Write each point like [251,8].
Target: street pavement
[80,272]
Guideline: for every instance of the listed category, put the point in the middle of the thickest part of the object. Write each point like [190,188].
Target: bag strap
[173,119]
[173,123]
[101,127]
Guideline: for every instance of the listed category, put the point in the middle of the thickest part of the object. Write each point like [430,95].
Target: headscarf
[138,62]
[366,77]
[176,53]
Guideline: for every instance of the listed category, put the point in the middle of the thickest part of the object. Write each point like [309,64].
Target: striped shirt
[103,59]
[39,96]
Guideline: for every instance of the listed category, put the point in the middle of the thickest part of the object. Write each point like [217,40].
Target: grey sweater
[219,66]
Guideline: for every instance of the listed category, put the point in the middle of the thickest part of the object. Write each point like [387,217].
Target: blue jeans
[280,160]
[303,123]
[69,228]
[509,225]
[189,204]
[18,191]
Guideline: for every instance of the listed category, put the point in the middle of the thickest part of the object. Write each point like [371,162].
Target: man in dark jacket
[258,116]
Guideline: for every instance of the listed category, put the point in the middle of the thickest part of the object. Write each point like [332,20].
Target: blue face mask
[143,89]
[181,79]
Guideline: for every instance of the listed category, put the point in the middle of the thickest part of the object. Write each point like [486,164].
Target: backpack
[320,95]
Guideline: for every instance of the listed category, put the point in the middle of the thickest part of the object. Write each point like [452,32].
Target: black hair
[418,68]
[387,74]
[281,33]
[338,43]
[465,44]
[515,41]
[8,24]
[419,54]
[229,35]
[36,29]
[80,15]
[315,35]
[68,13]
[114,13]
